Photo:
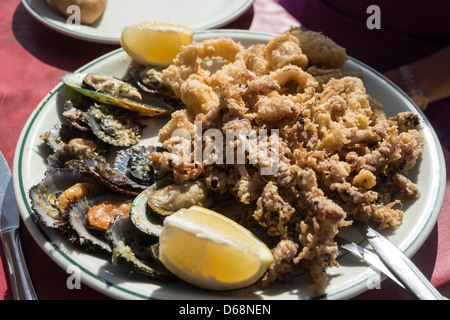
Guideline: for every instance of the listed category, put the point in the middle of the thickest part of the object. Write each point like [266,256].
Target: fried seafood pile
[279,127]
[339,157]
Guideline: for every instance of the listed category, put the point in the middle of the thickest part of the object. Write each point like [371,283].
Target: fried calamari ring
[285,50]
[290,75]
[190,59]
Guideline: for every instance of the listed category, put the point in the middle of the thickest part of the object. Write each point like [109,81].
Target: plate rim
[238,12]
[116,290]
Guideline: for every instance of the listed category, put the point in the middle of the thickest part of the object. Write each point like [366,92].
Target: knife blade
[22,286]
[7,199]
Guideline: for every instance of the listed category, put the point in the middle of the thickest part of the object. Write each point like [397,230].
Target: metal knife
[399,264]
[22,286]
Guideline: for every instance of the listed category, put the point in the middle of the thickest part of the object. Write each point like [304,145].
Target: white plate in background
[200,14]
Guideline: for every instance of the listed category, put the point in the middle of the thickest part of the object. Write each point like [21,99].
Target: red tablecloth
[33,58]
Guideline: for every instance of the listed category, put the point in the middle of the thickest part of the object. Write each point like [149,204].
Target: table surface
[33,58]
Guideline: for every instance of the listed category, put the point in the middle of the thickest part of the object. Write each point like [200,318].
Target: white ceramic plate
[200,14]
[350,279]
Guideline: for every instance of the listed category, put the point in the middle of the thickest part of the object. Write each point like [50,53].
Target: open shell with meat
[134,247]
[163,198]
[116,92]
[62,201]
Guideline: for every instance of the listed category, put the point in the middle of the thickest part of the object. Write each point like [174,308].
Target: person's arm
[432,75]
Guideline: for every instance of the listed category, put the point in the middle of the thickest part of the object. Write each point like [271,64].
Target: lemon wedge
[211,251]
[155,42]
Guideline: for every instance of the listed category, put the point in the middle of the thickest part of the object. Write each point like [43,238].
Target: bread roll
[90,10]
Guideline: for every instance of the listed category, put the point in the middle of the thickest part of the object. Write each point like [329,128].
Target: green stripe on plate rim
[136,294]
